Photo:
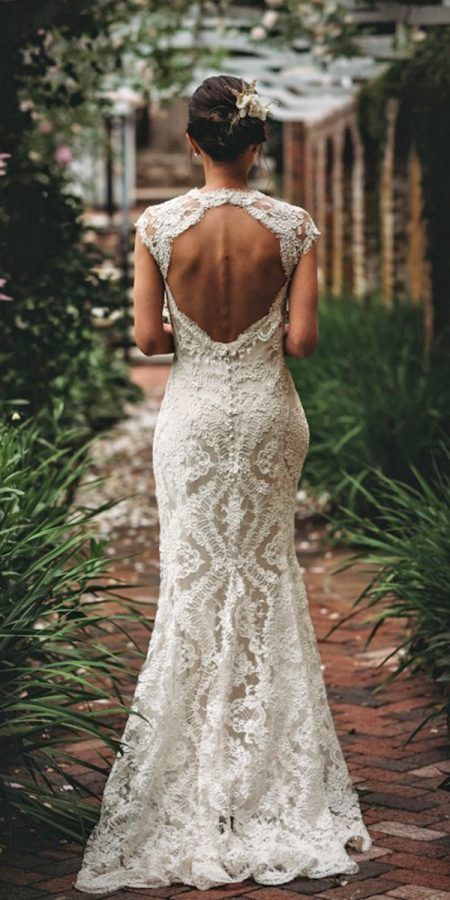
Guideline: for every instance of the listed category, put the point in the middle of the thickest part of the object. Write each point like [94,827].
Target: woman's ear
[192,144]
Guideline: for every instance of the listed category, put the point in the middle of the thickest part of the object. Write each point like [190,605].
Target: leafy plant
[373,401]
[61,672]
[410,564]
[51,268]
[50,349]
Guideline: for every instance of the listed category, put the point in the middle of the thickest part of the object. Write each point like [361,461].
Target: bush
[411,571]
[374,402]
[50,348]
[60,675]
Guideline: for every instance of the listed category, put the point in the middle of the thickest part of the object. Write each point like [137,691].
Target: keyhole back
[225,271]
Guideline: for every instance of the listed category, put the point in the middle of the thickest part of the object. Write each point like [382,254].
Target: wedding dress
[231,767]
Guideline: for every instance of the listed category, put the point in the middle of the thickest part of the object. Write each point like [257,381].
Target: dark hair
[211,109]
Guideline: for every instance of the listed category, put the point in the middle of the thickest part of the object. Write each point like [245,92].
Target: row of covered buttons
[227,351]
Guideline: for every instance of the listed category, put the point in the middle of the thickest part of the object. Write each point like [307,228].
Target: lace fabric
[231,767]
[159,225]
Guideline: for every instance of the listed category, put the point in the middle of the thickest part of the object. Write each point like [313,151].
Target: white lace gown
[233,768]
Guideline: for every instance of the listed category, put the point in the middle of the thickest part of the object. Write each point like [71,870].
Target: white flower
[249,103]
[258,33]
[270,18]
[253,107]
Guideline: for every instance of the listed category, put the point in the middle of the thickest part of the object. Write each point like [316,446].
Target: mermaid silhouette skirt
[231,767]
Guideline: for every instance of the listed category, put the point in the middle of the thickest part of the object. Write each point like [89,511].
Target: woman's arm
[302,333]
[151,334]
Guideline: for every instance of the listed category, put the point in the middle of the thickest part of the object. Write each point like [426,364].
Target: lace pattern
[231,766]
[159,225]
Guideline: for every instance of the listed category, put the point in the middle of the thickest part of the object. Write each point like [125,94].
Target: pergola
[322,152]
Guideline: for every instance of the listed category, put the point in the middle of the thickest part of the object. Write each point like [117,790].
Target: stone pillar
[387,205]
[309,172]
[416,235]
[321,208]
[294,162]
[338,218]
[358,218]
[418,266]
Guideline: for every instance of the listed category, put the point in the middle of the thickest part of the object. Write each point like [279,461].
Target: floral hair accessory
[249,103]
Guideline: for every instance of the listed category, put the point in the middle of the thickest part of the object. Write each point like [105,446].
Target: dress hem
[363,843]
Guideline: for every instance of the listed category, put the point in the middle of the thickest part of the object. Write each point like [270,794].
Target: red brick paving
[402,785]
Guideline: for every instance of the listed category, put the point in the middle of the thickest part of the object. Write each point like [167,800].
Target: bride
[230,766]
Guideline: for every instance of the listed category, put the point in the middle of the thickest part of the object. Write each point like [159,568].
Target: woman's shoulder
[157,214]
[159,211]
[295,216]
[293,209]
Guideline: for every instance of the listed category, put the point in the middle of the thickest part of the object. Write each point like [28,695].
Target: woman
[231,767]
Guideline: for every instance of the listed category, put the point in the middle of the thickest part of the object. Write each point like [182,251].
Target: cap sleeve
[146,228]
[307,231]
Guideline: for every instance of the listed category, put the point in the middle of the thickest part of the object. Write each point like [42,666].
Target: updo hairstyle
[211,108]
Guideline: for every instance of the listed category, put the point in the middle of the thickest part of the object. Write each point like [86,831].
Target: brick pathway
[402,785]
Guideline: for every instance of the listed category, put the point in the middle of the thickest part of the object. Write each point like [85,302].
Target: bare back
[226,257]
[225,271]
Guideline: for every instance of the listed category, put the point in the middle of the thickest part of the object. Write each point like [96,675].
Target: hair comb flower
[249,103]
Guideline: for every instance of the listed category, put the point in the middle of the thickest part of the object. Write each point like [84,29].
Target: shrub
[50,348]
[410,571]
[374,402]
[60,673]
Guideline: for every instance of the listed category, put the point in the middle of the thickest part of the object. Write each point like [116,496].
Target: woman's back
[225,271]
[225,255]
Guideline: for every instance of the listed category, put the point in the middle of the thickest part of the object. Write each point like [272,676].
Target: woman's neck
[223,179]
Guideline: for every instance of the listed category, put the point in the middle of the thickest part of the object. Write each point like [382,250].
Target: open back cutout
[225,271]
[231,254]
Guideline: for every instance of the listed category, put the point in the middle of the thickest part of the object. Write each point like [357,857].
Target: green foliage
[410,566]
[373,401]
[69,54]
[60,676]
[50,349]
[421,84]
